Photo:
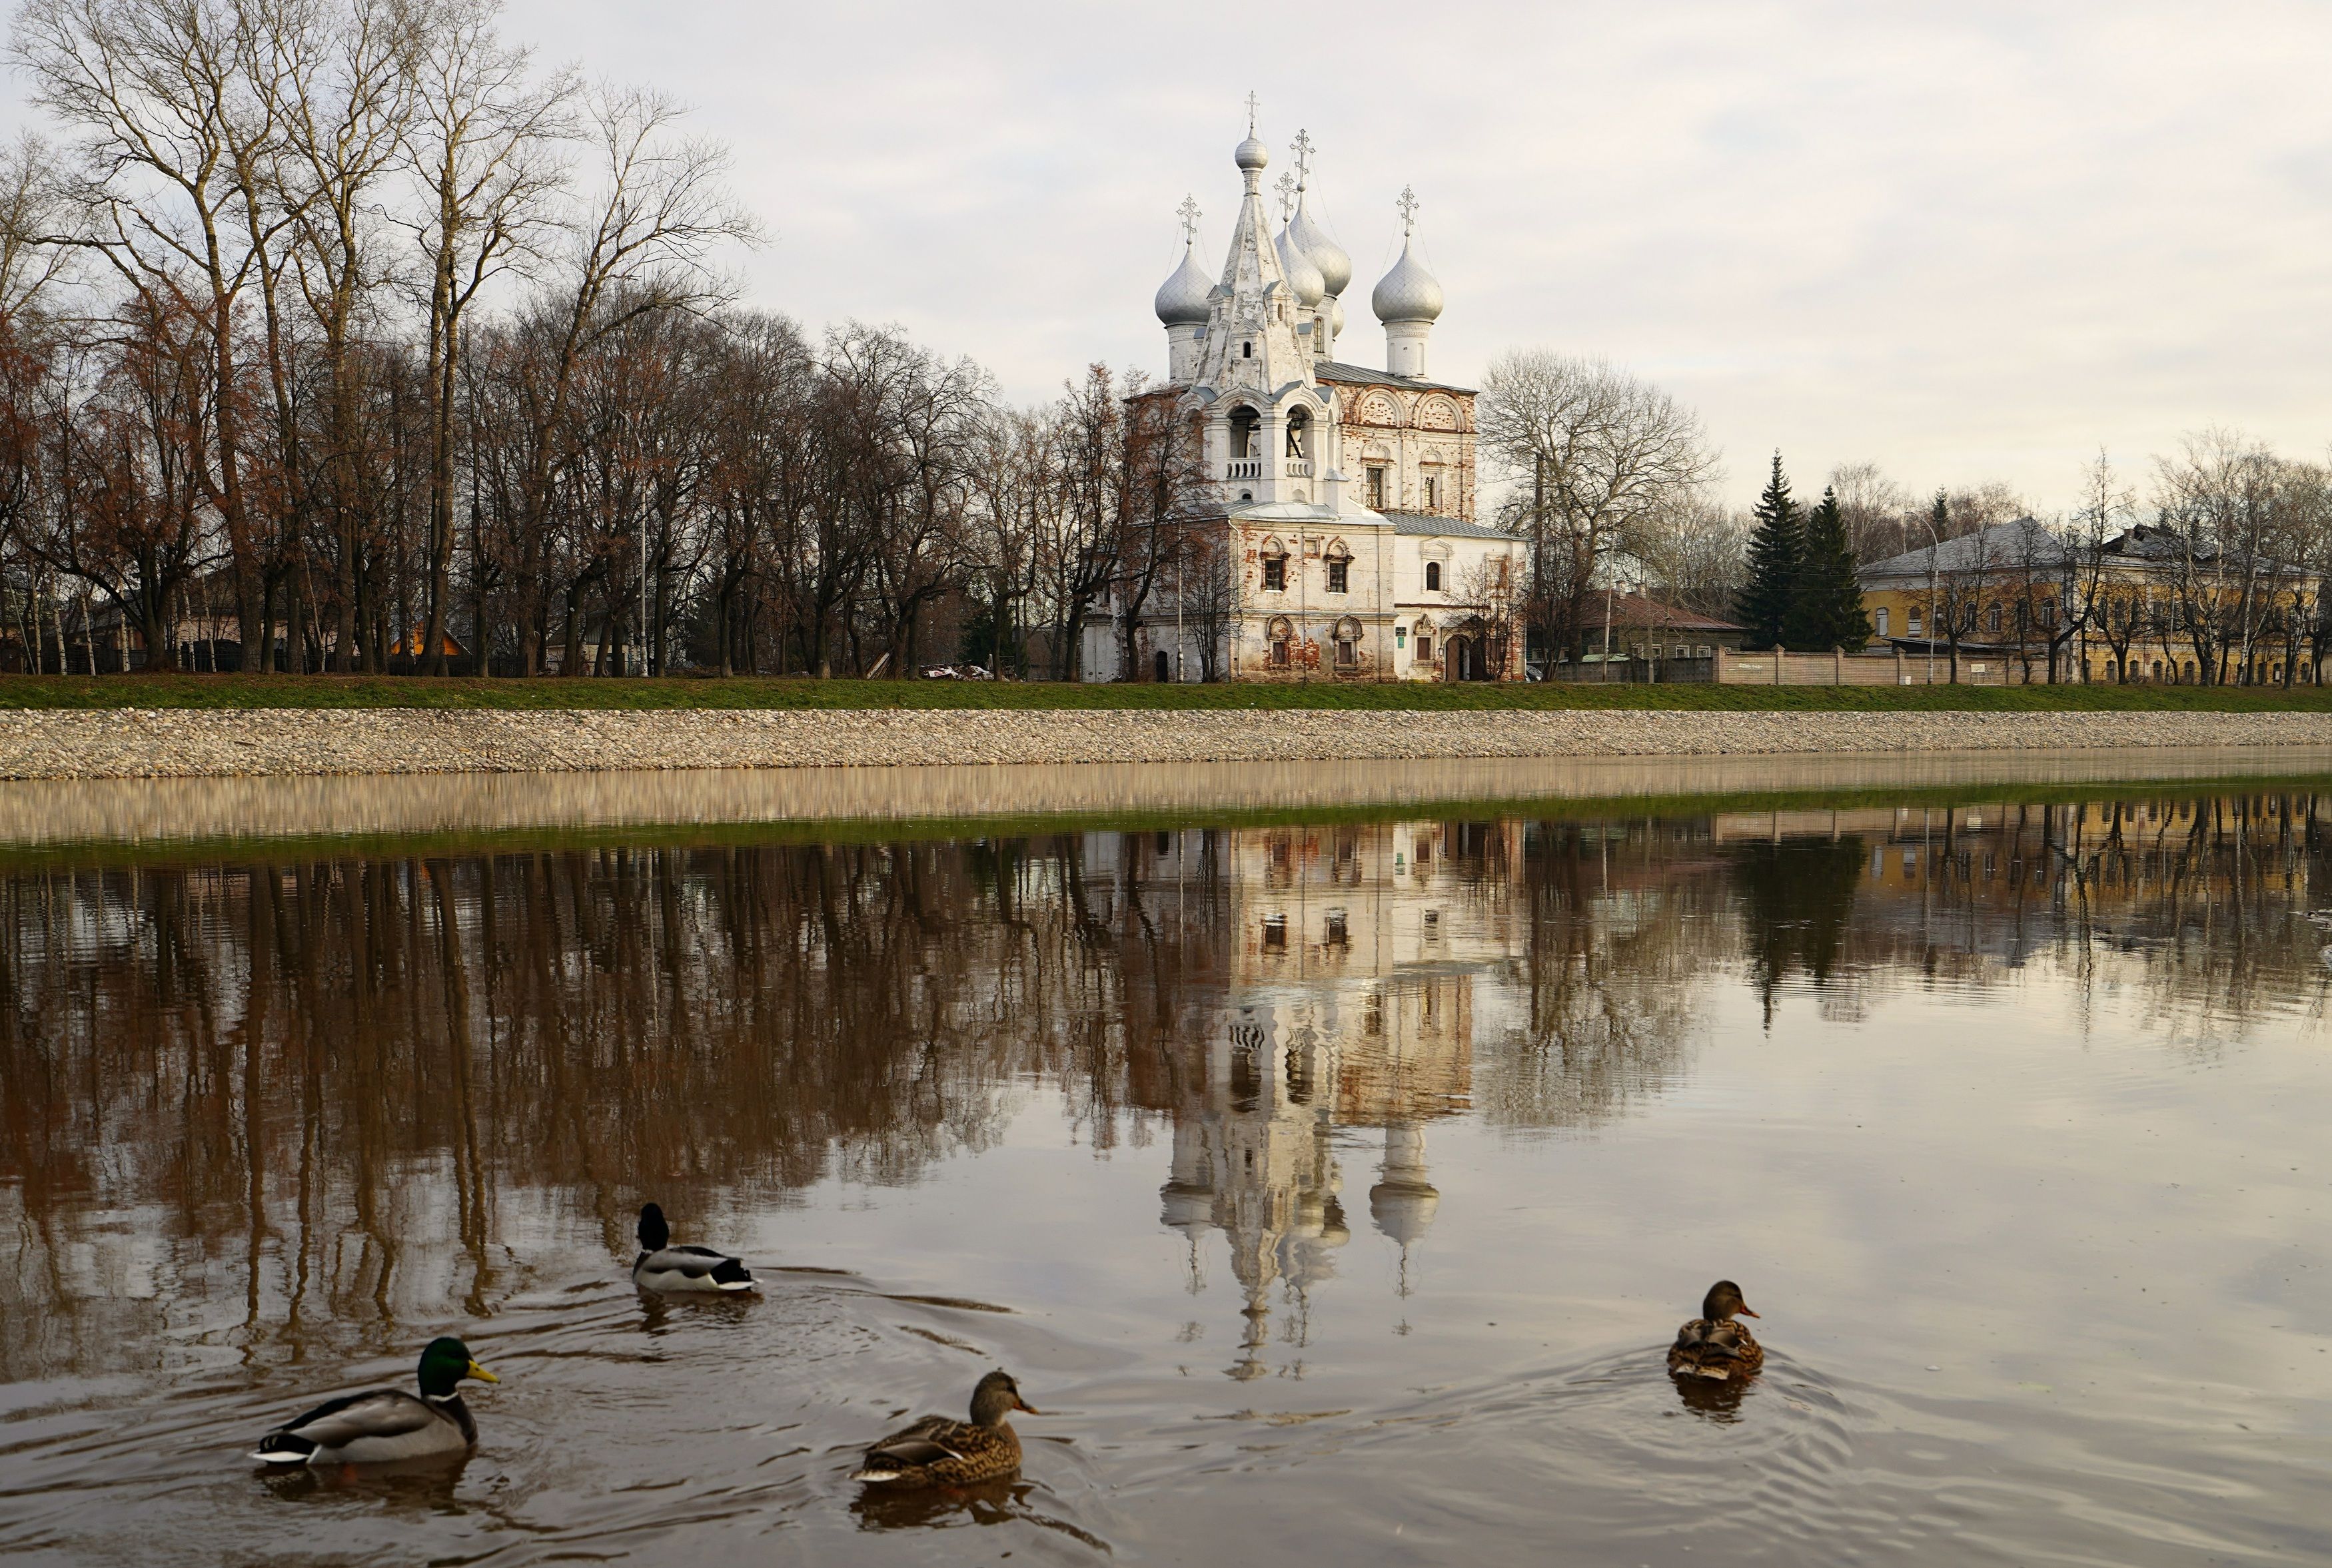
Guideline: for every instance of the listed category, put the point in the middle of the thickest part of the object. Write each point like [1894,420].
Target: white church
[1346,493]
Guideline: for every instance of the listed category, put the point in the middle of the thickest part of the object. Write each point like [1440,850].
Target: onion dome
[1335,315]
[1251,155]
[1182,297]
[1335,267]
[1409,292]
[1304,279]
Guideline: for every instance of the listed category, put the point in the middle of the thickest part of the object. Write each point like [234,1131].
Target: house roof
[1361,375]
[1636,612]
[1996,549]
[1422,525]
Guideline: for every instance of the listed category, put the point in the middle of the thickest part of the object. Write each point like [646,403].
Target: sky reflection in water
[1338,1186]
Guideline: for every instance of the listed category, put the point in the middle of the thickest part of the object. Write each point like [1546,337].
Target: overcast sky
[1968,240]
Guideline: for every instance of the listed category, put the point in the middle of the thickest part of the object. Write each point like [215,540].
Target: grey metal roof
[1361,375]
[1996,549]
[1423,526]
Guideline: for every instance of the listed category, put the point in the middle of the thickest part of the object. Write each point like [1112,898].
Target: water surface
[1334,1184]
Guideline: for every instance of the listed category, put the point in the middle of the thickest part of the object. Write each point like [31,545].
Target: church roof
[1361,375]
[1422,525]
[1994,549]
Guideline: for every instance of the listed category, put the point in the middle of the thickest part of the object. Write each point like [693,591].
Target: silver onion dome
[1409,292]
[1336,316]
[1182,297]
[1335,266]
[1303,278]
[1252,155]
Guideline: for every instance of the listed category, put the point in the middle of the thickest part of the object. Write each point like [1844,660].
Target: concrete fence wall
[1771,667]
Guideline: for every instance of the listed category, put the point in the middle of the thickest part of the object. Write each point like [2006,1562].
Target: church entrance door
[1165,666]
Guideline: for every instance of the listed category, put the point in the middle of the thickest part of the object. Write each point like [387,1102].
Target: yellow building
[2148,605]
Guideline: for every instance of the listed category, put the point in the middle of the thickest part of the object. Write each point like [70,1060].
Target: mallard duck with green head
[664,1267]
[1714,1344]
[387,1424]
[937,1451]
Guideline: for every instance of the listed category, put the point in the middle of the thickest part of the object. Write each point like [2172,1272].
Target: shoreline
[264,743]
[146,818]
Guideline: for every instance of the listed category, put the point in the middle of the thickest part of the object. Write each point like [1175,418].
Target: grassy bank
[263,691]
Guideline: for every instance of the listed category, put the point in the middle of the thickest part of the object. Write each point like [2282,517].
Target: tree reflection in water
[236,1100]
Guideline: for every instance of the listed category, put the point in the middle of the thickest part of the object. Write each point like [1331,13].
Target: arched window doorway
[1280,636]
[1165,666]
[1299,433]
[1244,424]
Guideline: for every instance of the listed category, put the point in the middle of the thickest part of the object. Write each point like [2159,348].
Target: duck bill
[1743,1312]
[1025,1408]
[481,1373]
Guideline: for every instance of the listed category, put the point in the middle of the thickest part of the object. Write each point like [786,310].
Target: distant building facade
[2149,605]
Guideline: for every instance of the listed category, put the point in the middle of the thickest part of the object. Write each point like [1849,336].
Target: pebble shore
[178,743]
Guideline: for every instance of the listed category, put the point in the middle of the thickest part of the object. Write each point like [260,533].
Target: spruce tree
[1826,611]
[1776,549]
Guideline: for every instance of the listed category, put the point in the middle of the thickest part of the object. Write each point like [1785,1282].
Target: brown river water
[1333,1180]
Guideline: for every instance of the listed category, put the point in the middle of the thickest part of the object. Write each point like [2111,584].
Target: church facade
[1337,500]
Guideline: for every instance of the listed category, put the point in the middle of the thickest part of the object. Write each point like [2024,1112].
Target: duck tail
[876,1471]
[732,1275]
[284,1449]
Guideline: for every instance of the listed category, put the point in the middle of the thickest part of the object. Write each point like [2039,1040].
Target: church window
[1347,653]
[1299,434]
[1247,349]
[1432,493]
[1275,933]
[1879,621]
[1433,577]
[1376,487]
[1338,576]
[1424,649]
[1913,623]
[1275,574]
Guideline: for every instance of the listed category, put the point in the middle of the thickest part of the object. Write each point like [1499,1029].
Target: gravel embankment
[159,742]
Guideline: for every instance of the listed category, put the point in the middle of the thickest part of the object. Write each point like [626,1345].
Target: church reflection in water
[237,1098]
[1350,997]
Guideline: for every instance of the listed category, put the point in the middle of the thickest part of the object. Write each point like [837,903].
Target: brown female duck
[939,1452]
[1713,1345]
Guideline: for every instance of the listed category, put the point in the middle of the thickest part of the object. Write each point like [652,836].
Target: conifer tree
[1825,610]
[1776,550]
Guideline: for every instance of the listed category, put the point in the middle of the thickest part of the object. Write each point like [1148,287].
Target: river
[1332,1177]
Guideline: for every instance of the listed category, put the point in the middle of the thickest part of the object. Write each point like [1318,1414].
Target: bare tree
[1598,455]
[1878,512]
[177,107]
[483,144]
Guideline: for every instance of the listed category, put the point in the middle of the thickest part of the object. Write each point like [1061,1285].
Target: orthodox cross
[1407,204]
[1253,103]
[1303,146]
[1287,189]
[1190,211]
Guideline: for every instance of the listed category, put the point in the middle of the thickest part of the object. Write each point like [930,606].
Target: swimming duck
[939,1452]
[387,1423]
[664,1267]
[1713,1345]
